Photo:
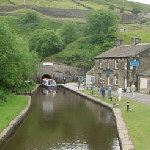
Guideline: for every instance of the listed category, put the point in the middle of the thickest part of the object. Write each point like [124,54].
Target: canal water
[65,121]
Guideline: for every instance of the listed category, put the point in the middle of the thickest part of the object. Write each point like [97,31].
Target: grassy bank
[10,109]
[137,121]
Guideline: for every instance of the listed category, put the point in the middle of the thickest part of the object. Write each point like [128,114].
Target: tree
[69,32]
[45,42]
[101,21]
[16,63]
[136,9]
[101,25]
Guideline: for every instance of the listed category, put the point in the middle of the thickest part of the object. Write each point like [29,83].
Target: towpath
[143,98]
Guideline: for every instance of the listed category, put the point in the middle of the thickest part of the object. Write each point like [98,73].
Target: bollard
[25,93]
[92,92]
[111,98]
[30,92]
[128,106]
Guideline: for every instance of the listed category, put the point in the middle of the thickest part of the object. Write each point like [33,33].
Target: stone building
[122,65]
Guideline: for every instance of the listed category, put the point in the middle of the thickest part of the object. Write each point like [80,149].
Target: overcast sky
[142,1]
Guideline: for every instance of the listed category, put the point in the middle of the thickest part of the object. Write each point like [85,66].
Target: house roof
[124,51]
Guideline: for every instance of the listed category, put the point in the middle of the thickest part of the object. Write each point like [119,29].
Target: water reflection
[65,121]
[47,103]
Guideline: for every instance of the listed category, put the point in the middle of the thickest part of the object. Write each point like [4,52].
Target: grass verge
[9,110]
[137,121]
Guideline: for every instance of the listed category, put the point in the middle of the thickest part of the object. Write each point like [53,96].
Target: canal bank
[15,123]
[125,141]
[65,120]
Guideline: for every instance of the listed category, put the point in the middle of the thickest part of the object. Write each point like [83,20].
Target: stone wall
[121,72]
[58,71]
[129,18]
[129,74]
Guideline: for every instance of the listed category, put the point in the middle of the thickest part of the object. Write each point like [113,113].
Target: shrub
[29,17]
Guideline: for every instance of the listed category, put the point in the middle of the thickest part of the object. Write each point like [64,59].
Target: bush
[111,7]
[122,10]
[29,17]
[144,20]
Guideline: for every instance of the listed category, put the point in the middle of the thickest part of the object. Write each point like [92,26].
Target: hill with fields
[53,14]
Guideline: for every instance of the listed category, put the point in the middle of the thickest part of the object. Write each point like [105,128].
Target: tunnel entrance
[46,76]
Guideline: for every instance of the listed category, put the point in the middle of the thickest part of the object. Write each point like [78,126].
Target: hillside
[73,9]
[80,52]
[77,4]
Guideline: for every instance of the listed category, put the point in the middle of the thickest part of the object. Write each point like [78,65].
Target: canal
[65,121]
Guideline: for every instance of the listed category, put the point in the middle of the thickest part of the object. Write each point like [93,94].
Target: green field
[135,30]
[4,2]
[67,4]
[137,121]
[10,109]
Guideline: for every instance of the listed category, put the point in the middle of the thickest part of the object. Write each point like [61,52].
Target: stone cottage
[123,65]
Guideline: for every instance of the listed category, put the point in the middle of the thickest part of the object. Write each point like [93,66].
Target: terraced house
[123,65]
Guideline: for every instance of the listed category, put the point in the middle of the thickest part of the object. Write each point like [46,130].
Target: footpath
[143,98]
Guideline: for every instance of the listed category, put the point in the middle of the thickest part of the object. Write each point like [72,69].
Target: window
[108,80]
[116,64]
[108,65]
[101,65]
[125,65]
[92,79]
[131,67]
[116,80]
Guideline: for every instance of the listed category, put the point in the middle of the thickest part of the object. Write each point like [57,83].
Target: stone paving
[125,140]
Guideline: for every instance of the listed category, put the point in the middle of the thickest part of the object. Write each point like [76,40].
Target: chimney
[118,42]
[135,40]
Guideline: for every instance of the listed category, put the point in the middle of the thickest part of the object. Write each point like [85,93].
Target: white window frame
[108,67]
[116,64]
[116,80]
[125,65]
[101,65]
[108,80]
[131,67]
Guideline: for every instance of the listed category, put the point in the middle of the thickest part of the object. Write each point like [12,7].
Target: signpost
[108,71]
[134,62]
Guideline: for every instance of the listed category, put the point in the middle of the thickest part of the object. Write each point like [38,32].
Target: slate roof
[124,51]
